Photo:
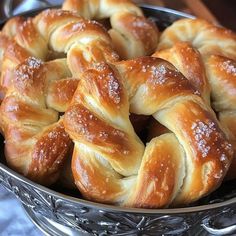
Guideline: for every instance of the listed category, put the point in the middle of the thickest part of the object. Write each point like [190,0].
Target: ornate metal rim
[167,10]
[103,207]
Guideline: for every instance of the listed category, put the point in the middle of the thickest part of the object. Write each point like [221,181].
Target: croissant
[36,143]
[110,164]
[212,71]
[132,34]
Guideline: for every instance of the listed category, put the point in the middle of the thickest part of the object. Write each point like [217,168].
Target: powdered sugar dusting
[223,157]
[229,67]
[25,73]
[119,133]
[139,23]
[78,26]
[113,89]
[53,135]
[225,150]
[13,108]
[103,135]
[80,120]
[55,145]
[158,74]
[111,84]
[34,63]
[100,66]
[49,14]
[228,151]
[202,132]
[207,132]
[142,29]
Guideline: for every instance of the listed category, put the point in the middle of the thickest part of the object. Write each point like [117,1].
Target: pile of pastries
[75,94]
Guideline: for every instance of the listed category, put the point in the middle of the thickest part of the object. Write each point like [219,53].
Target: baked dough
[212,71]
[132,34]
[110,164]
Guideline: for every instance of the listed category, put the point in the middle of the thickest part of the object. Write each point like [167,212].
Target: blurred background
[218,11]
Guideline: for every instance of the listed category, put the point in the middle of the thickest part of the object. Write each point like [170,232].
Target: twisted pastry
[36,144]
[221,72]
[110,164]
[11,55]
[132,34]
[35,141]
[189,62]
[204,36]
[217,47]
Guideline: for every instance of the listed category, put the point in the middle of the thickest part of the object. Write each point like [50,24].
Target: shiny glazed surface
[95,218]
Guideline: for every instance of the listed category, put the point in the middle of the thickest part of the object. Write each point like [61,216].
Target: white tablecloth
[13,219]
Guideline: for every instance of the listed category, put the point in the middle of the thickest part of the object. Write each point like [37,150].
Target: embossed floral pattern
[101,222]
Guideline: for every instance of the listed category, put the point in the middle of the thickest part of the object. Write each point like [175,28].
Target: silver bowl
[66,213]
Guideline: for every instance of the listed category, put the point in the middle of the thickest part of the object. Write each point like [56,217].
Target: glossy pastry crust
[97,91]
[132,34]
[206,55]
[36,143]
[110,164]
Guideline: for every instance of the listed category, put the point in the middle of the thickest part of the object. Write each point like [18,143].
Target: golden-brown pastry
[11,55]
[35,140]
[189,62]
[132,34]
[217,46]
[110,163]
[221,72]
[204,36]
[36,143]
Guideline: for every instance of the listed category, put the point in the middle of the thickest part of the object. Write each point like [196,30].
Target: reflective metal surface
[14,7]
[63,214]
[12,217]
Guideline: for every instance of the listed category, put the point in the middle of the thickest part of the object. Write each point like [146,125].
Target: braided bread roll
[221,72]
[36,143]
[189,62]
[35,140]
[84,41]
[212,74]
[204,36]
[110,164]
[132,34]
[11,55]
